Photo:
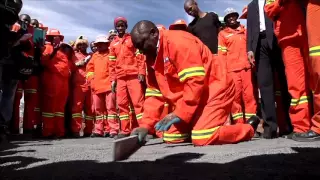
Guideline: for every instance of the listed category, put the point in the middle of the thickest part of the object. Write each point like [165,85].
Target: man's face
[25,19]
[121,27]
[101,47]
[93,47]
[231,20]
[56,40]
[34,23]
[147,42]
[191,9]
[111,37]
[82,47]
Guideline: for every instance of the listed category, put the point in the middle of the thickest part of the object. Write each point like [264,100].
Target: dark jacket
[253,28]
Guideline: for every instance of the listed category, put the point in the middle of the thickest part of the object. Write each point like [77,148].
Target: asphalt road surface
[91,159]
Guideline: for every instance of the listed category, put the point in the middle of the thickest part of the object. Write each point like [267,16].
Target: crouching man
[183,72]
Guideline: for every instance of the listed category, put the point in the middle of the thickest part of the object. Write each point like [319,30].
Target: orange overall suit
[81,98]
[126,63]
[195,82]
[290,29]
[31,96]
[104,100]
[313,14]
[55,88]
[232,48]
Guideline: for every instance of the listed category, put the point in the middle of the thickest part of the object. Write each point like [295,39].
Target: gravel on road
[90,158]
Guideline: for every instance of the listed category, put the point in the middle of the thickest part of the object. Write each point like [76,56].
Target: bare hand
[251,58]
[141,78]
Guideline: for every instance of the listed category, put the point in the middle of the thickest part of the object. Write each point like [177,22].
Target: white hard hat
[230,11]
[102,39]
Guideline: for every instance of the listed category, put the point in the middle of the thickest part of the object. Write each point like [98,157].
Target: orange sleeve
[47,51]
[273,8]
[141,59]
[90,69]
[153,104]
[222,46]
[112,63]
[187,58]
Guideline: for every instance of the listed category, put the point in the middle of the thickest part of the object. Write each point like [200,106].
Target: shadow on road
[304,164]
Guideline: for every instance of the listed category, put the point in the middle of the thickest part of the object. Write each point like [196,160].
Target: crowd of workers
[197,82]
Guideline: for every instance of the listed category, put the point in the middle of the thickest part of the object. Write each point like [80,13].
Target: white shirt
[261,15]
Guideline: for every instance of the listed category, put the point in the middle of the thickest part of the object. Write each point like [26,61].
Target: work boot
[120,136]
[268,134]
[309,136]
[85,135]
[106,134]
[76,135]
[112,135]
[3,134]
[290,135]
[37,132]
[93,135]
[254,122]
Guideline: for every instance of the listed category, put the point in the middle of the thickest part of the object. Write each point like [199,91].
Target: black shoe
[120,136]
[257,135]
[254,121]
[93,135]
[76,135]
[309,136]
[288,136]
[27,131]
[112,135]
[86,135]
[36,133]
[106,134]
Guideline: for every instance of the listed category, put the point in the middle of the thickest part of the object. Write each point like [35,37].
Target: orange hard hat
[244,13]
[161,27]
[178,22]
[41,26]
[55,32]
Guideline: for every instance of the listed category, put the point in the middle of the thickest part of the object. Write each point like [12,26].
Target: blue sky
[95,17]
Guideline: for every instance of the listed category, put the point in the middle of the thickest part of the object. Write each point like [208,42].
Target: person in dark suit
[262,47]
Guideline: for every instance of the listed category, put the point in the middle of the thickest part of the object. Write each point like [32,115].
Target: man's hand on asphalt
[167,122]
[141,78]
[113,86]
[141,133]
[251,58]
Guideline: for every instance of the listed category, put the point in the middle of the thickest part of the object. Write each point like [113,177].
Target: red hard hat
[116,20]
[179,22]
[41,26]
[161,27]
[55,32]
[244,13]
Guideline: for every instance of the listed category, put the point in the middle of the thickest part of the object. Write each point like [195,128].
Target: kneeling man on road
[183,72]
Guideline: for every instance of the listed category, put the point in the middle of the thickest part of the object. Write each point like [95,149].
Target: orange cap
[244,13]
[41,26]
[178,22]
[55,32]
[161,27]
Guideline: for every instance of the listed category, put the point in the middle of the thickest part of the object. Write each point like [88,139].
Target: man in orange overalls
[313,27]
[195,82]
[232,47]
[104,99]
[80,92]
[29,88]
[57,62]
[290,29]
[127,74]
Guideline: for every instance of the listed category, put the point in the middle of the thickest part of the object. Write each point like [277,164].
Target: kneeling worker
[194,81]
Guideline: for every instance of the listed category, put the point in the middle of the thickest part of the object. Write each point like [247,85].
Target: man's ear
[153,32]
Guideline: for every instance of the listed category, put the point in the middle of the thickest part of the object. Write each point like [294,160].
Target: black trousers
[268,61]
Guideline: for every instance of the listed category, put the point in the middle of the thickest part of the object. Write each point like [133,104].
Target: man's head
[81,44]
[25,18]
[93,47]
[145,36]
[102,43]
[112,34]
[231,17]
[67,50]
[191,8]
[34,23]
[121,25]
